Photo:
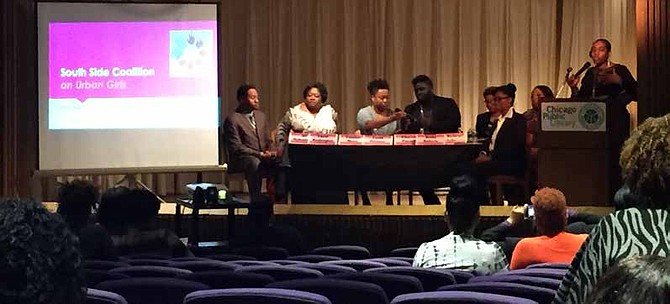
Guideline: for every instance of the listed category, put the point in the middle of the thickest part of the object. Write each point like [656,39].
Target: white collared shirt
[501,120]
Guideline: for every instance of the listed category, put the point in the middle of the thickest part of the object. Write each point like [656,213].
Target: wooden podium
[577,154]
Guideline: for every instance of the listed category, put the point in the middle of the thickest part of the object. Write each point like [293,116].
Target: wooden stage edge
[380,210]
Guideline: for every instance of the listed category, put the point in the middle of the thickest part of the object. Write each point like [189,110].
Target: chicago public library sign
[573,116]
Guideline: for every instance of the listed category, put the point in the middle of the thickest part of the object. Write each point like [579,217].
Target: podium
[578,151]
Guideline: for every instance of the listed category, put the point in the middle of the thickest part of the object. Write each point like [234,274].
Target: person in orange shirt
[553,245]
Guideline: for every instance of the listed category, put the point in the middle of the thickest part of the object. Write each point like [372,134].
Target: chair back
[152,290]
[550,273]
[390,262]
[350,252]
[254,296]
[92,276]
[406,252]
[221,279]
[103,264]
[150,271]
[282,273]
[338,291]
[313,258]
[328,269]
[431,279]
[359,265]
[550,265]
[196,266]
[393,284]
[538,294]
[148,262]
[460,297]
[552,284]
[231,257]
[96,296]
[263,253]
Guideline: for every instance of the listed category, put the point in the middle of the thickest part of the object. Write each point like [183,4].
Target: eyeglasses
[500,98]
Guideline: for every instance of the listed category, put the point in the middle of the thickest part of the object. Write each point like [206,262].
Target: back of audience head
[551,211]
[146,206]
[637,279]
[76,200]
[40,261]
[114,208]
[467,192]
[645,163]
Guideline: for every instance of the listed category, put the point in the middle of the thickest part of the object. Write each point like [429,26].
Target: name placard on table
[321,139]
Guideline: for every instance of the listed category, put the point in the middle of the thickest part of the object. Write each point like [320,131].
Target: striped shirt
[620,235]
[462,253]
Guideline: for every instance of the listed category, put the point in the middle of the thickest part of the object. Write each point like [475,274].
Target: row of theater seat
[342,281]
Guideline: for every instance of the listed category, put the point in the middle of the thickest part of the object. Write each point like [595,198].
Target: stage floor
[378,208]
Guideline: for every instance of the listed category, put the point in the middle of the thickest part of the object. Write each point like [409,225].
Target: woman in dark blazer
[505,152]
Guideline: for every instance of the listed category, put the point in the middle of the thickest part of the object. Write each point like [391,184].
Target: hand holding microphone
[398,114]
[573,80]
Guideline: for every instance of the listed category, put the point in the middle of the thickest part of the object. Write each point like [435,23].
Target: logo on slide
[191,53]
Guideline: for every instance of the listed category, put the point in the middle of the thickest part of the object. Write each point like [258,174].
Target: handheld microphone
[583,68]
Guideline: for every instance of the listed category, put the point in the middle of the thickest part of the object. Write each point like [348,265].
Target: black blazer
[509,155]
[484,126]
[446,118]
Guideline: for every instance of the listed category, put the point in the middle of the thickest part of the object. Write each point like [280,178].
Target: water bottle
[472,135]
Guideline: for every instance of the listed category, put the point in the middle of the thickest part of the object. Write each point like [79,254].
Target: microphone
[583,68]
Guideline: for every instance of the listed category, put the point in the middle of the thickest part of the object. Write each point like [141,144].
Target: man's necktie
[252,120]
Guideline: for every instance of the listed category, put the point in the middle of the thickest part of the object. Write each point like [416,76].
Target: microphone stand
[567,73]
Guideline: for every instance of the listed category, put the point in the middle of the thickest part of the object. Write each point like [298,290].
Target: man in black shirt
[430,114]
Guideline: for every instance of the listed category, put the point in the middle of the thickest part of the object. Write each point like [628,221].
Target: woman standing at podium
[614,84]
[607,81]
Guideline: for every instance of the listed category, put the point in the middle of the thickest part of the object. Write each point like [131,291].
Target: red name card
[350,140]
[440,139]
[298,138]
[312,139]
[323,139]
[405,139]
[365,140]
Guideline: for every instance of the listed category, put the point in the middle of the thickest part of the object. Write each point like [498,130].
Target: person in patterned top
[459,249]
[642,226]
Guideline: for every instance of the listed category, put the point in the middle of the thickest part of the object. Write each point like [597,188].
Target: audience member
[247,140]
[76,200]
[641,229]
[553,245]
[519,225]
[460,249]
[40,262]
[486,122]
[113,210]
[141,234]
[260,231]
[378,118]
[638,279]
[430,114]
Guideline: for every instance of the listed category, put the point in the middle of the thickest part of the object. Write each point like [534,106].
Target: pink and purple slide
[130,75]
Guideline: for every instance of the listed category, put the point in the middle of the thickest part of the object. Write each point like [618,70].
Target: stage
[380,228]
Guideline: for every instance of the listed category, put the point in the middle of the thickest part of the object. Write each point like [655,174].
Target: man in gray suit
[247,140]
